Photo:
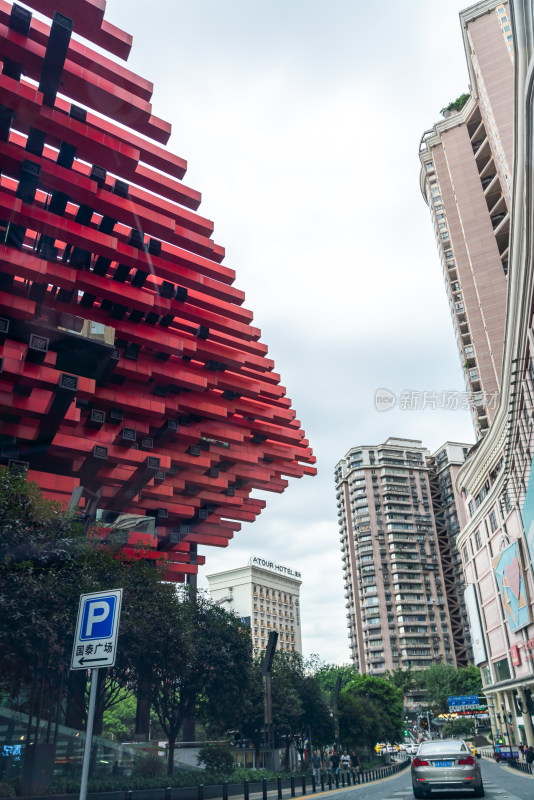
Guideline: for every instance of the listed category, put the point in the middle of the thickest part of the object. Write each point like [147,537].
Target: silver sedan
[445,764]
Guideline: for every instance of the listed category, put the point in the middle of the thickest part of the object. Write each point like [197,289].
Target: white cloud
[300,121]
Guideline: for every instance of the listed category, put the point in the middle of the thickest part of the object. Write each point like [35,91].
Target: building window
[478,540]
[471,508]
[493,521]
[502,670]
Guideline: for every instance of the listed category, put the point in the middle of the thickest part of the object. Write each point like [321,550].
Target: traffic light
[405,733]
[423,722]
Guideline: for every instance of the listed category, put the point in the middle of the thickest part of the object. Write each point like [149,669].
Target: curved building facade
[496,543]
[466,177]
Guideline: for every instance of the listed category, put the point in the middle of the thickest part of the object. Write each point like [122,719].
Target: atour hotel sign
[256,561]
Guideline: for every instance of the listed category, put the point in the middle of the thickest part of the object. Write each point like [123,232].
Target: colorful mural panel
[527,514]
[511,582]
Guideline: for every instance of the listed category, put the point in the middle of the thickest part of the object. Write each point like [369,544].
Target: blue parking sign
[97,628]
[98,617]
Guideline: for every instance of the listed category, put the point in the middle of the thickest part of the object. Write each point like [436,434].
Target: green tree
[217,759]
[198,659]
[468,680]
[460,727]
[328,674]
[403,678]
[301,711]
[438,681]
[456,105]
[360,723]
[444,680]
[370,710]
[41,556]
[119,719]
[251,711]
[105,569]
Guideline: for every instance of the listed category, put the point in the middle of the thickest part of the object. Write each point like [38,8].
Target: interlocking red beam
[171,408]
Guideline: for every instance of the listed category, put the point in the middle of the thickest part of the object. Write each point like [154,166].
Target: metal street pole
[491,706]
[335,698]
[507,734]
[266,669]
[506,729]
[508,724]
[89,733]
[97,628]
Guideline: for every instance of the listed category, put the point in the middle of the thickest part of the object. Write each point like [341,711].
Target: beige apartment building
[466,180]
[403,601]
[266,596]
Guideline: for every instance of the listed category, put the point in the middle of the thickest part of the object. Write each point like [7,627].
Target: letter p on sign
[98,618]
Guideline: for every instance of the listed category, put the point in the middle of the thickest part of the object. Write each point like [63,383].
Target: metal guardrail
[277,789]
[520,766]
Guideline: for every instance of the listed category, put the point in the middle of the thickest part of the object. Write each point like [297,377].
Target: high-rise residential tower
[466,180]
[450,517]
[399,598]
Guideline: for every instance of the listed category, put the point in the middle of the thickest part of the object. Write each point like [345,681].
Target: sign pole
[95,642]
[89,733]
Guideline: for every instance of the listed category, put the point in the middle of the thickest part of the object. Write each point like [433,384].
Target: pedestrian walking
[345,763]
[334,762]
[529,755]
[317,765]
[355,763]
[328,764]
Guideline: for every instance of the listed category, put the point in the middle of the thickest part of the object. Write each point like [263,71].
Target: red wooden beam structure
[132,380]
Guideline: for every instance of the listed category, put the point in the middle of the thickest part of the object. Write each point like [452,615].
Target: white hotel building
[267,597]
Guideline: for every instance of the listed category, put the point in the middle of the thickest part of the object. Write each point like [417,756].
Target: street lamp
[506,717]
[266,670]
[510,727]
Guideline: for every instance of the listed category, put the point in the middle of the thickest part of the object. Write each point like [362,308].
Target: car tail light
[470,760]
[418,762]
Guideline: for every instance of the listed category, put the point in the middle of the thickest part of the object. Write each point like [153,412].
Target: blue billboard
[463,702]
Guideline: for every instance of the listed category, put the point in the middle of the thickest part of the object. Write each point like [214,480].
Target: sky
[300,121]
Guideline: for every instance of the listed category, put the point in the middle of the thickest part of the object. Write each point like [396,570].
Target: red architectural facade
[132,379]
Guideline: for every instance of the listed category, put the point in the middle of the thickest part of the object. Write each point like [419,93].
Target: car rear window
[447,746]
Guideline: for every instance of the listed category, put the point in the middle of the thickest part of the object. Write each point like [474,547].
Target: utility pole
[335,698]
[266,670]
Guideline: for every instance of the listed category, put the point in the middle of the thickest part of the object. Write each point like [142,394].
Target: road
[500,783]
